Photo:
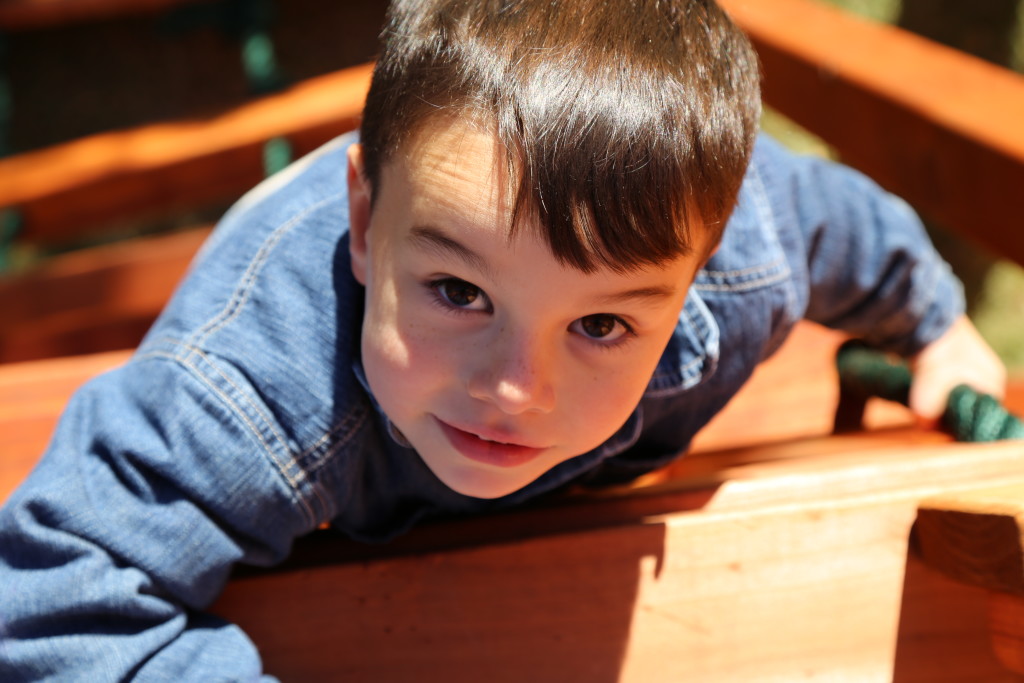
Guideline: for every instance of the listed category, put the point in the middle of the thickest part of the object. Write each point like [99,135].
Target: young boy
[520,275]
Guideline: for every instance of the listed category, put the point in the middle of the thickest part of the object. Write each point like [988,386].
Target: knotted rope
[969,415]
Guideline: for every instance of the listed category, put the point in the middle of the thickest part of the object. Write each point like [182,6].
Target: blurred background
[992,30]
[62,80]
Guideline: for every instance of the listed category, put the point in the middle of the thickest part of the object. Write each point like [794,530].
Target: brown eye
[460,294]
[597,326]
[602,328]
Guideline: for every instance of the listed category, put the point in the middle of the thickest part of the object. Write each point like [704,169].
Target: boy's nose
[514,375]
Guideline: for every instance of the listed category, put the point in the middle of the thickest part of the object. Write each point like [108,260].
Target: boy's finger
[928,399]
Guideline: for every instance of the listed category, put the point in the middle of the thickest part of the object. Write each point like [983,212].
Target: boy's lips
[488,446]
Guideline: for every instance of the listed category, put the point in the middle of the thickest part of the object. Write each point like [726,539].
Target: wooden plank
[103,178]
[92,300]
[664,600]
[32,396]
[935,126]
[747,587]
[21,15]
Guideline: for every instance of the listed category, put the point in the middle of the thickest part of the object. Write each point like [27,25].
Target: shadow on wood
[497,612]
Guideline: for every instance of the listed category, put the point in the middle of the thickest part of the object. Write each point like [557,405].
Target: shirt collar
[691,356]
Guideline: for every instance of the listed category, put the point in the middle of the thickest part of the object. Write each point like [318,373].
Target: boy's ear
[358,212]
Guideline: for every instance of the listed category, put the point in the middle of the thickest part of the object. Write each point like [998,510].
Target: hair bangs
[628,123]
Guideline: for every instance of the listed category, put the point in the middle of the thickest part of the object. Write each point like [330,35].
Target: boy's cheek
[400,366]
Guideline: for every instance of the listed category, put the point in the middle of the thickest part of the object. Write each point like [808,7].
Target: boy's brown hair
[627,122]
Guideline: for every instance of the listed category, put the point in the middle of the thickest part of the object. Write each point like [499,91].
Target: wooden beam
[103,178]
[92,300]
[944,632]
[763,583]
[936,126]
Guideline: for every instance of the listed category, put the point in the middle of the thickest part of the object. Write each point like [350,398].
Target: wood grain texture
[936,126]
[784,586]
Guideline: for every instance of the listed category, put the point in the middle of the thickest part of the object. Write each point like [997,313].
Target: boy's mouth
[488,447]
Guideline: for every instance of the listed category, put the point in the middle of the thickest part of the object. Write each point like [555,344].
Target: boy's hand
[960,356]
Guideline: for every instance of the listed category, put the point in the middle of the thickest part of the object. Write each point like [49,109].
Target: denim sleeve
[870,266]
[152,488]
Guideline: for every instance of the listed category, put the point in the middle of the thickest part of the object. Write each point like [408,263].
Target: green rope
[969,415]
[972,416]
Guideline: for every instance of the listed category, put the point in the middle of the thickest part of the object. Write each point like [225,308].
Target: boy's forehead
[456,170]
[455,164]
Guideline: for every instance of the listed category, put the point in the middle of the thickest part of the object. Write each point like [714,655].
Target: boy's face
[493,359]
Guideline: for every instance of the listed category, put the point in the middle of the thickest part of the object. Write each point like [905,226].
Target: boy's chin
[482,483]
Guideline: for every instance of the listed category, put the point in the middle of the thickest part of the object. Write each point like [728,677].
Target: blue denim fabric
[243,420]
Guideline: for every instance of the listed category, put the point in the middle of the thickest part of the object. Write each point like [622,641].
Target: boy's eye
[601,326]
[461,294]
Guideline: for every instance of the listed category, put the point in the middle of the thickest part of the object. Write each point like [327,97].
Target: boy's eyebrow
[435,239]
[651,294]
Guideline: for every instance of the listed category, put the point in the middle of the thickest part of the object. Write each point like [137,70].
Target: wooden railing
[937,127]
[73,189]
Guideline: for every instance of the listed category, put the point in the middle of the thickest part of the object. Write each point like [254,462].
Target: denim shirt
[243,421]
